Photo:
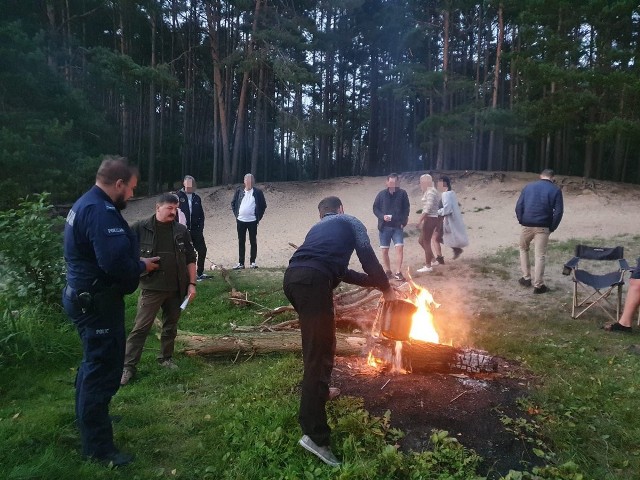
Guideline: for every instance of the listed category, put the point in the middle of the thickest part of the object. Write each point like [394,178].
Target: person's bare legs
[385,259]
[399,254]
[436,247]
[631,303]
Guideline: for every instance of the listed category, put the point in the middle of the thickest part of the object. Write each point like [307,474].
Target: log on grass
[259,343]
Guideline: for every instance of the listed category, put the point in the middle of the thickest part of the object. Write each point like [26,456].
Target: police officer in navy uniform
[103,265]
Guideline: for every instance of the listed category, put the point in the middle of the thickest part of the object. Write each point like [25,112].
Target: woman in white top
[454,233]
[428,220]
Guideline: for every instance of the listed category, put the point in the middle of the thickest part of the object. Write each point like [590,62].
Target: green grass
[237,420]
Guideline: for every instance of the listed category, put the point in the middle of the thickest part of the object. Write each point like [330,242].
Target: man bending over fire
[315,269]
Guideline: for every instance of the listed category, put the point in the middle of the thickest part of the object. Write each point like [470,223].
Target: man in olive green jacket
[161,235]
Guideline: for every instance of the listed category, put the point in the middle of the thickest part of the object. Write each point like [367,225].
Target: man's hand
[151,263]
[191,291]
[389,294]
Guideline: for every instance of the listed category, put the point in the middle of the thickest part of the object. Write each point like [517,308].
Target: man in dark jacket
[391,207]
[539,210]
[248,206]
[103,265]
[315,269]
[191,206]
[166,288]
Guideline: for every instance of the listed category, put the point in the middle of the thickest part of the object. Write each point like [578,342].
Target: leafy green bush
[31,266]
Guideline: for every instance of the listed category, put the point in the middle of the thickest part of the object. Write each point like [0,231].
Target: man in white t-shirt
[248,206]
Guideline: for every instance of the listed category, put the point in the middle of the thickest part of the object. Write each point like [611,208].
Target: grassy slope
[226,420]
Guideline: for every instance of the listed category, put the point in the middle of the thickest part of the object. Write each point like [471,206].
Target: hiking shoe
[457,252]
[168,363]
[323,453]
[239,266]
[113,459]
[525,282]
[425,269]
[541,289]
[389,274]
[334,392]
[398,276]
[253,265]
[126,377]
[202,276]
[617,327]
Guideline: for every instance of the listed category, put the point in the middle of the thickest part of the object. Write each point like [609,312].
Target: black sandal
[616,327]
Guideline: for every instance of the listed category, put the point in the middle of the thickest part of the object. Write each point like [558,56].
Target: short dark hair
[114,168]
[446,180]
[168,198]
[329,205]
[547,173]
[392,175]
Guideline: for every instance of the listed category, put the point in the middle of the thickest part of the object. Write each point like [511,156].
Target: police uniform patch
[70,217]
[115,231]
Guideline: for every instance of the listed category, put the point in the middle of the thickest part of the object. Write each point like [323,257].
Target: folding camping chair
[602,285]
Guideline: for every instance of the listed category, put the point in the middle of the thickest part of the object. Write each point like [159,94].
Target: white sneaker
[127,375]
[334,392]
[425,269]
[253,265]
[435,263]
[323,453]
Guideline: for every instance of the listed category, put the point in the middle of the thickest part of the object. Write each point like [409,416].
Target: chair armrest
[570,265]
[624,265]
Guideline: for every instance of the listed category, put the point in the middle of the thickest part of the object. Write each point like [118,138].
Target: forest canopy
[311,89]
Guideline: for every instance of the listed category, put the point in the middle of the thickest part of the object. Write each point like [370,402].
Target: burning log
[422,357]
[417,357]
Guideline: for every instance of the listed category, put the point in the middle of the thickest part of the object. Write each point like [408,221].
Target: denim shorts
[390,233]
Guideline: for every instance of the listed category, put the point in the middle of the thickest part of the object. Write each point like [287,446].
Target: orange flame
[371,360]
[422,321]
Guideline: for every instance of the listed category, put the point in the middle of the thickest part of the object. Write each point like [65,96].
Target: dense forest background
[307,89]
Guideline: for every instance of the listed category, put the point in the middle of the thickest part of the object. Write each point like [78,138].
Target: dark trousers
[198,243]
[311,294]
[102,334]
[243,228]
[429,226]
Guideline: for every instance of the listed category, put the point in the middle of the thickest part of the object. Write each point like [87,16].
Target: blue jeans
[390,233]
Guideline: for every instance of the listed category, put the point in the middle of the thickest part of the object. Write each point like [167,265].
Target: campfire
[405,339]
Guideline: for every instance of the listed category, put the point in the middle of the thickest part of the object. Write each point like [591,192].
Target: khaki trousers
[540,238]
[149,303]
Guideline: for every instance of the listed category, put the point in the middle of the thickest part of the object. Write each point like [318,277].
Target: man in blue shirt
[539,210]
[315,269]
[103,265]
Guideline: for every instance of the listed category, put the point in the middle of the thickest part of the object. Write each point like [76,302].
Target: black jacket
[396,205]
[261,203]
[195,218]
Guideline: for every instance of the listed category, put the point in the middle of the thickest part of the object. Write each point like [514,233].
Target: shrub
[31,261]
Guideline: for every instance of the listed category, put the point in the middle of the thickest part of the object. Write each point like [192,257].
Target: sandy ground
[593,209]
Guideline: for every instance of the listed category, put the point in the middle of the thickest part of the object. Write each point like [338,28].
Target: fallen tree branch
[268,342]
